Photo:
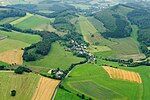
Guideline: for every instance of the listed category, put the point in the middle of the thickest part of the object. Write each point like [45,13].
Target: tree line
[37,50]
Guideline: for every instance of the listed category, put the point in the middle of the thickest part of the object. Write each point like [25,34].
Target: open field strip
[8,20]
[25,85]
[45,89]
[12,57]
[24,37]
[21,19]
[57,58]
[123,75]
[92,36]
[148,48]
[10,44]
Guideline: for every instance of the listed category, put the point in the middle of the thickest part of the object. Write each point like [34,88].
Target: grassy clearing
[8,20]
[21,19]
[32,22]
[3,63]
[97,77]
[87,29]
[94,49]
[25,85]
[125,46]
[97,24]
[24,37]
[57,57]
[10,44]
[81,6]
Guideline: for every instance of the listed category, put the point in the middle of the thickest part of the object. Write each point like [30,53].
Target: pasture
[28,15]
[10,44]
[93,81]
[92,36]
[25,85]
[24,37]
[12,57]
[32,22]
[57,57]
[8,20]
[45,89]
[125,46]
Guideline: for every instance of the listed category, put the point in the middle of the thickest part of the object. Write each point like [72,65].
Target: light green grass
[3,64]
[57,57]
[87,29]
[8,20]
[10,44]
[24,37]
[21,19]
[32,22]
[101,83]
[81,6]
[97,24]
[125,46]
[25,85]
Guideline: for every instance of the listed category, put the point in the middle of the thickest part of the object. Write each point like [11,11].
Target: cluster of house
[81,49]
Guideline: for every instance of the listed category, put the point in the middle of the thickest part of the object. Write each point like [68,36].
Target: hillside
[74,50]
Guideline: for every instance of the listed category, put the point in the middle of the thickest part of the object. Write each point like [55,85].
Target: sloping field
[92,81]
[12,57]
[8,20]
[95,90]
[10,44]
[32,22]
[92,36]
[57,57]
[45,89]
[21,19]
[24,37]
[123,75]
[25,85]
[125,46]
[87,30]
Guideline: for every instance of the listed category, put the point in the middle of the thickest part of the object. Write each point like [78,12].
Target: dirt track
[123,74]
[12,57]
[45,89]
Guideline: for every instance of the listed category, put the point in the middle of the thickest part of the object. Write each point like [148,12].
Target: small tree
[13,93]
[83,96]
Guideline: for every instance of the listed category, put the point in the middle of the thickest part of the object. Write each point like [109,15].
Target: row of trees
[11,13]
[141,17]
[37,50]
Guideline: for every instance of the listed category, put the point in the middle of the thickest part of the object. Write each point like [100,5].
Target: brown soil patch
[45,89]
[115,73]
[12,57]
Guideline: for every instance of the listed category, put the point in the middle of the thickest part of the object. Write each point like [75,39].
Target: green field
[8,20]
[87,30]
[81,6]
[57,57]
[24,37]
[3,64]
[125,46]
[94,82]
[25,85]
[97,24]
[10,44]
[32,22]
[21,19]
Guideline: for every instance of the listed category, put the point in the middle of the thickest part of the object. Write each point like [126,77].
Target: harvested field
[12,57]
[45,89]
[123,75]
